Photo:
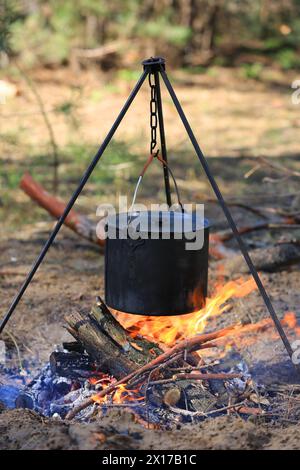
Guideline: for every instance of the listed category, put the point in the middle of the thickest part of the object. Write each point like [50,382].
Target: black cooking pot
[148,268]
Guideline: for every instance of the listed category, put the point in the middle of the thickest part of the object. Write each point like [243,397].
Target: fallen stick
[264,212]
[241,205]
[239,407]
[208,376]
[228,234]
[278,167]
[79,223]
[267,259]
[191,344]
[98,52]
[203,413]
[79,55]
[198,376]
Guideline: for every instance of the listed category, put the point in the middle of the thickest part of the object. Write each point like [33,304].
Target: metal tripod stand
[156,67]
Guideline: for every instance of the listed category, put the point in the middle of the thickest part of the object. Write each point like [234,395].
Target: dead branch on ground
[267,259]
[79,223]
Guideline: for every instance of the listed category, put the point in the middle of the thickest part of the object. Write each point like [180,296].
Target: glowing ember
[103,379]
[291,321]
[120,396]
[168,330]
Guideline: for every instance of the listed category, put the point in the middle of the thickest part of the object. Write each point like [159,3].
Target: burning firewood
[191,344]
[110,367]
[108,343]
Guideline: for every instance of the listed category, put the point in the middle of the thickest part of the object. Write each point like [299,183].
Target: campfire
[163,370]
[153,346]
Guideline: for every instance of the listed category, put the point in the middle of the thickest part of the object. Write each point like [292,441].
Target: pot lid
[158,222]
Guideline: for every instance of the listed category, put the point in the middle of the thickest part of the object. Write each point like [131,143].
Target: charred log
[71,365]
[108,343]
[73,346]
[25,400]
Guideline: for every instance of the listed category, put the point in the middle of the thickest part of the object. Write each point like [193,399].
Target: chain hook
[153,112]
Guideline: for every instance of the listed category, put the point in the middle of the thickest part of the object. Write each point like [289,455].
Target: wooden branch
[208,376]
[267,259]
[283,216]
[191,344]
[76,222]
[197,376]
[108,356]
[242,205]
[98,52]
[278,167]
[79,55]
[238,407]
[288,225]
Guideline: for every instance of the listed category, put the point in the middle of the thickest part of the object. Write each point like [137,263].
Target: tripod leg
[162,138]
[72,201]
[228,215]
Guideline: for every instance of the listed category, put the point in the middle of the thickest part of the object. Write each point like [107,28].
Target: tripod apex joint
[154,64]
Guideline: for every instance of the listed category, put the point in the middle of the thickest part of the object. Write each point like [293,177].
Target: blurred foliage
[8,16]
[190,32]
[252,70]
[288,58]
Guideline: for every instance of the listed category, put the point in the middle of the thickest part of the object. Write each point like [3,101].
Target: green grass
[253,71]
[106,180]
[78,156]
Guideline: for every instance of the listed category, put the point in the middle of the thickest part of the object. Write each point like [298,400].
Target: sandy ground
[24,429]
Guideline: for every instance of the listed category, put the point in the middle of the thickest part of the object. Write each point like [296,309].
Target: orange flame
[120,395]
[100,378]
[167,330]
[290,320]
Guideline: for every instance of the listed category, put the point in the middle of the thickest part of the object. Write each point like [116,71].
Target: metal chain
[153,112]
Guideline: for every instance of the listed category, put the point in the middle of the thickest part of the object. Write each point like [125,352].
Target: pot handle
[147,164]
